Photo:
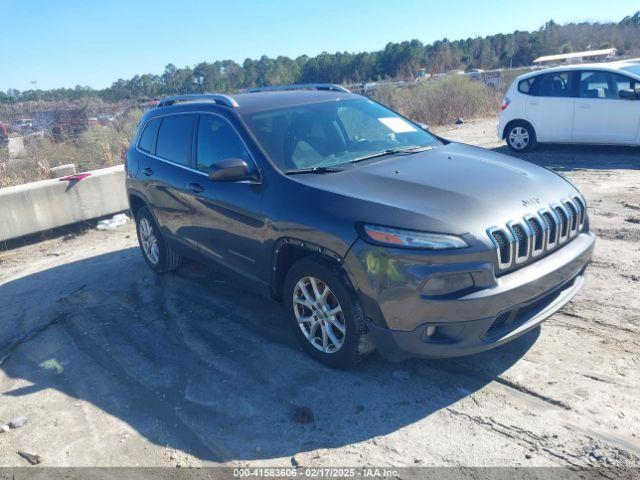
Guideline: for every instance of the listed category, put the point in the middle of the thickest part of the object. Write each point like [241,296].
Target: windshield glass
[635,69]
[333,133]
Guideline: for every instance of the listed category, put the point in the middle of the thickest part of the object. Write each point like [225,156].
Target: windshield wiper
[313,170]
[393,151]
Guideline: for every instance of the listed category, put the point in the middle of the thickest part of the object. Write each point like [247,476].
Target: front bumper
[472,321]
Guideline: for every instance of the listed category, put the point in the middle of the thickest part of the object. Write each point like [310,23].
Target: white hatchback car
[588,103]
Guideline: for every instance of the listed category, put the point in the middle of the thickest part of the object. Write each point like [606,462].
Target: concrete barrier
[39,206]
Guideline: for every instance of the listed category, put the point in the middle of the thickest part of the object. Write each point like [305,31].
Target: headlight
[395,237]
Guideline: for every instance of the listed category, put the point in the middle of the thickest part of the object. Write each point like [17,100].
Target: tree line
[395,61]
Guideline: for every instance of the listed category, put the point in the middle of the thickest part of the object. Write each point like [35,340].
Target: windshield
[635,69]
[332,133]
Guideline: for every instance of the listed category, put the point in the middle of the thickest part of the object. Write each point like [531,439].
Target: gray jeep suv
[371,231]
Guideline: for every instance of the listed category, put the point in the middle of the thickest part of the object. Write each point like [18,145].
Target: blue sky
[95,42]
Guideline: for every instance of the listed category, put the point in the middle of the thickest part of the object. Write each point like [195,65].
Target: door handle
[147,171]
[195,188]
[584,105]
[533,102]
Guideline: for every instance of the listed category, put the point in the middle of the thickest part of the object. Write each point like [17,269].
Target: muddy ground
[113,365]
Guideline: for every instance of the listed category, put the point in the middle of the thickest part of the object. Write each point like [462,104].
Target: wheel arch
[518,120]
[288,251]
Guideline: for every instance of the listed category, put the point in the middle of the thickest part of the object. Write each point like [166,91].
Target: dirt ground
[114,366]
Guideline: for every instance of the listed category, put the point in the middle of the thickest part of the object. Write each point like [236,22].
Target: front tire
[520,136]
[155,250]
[325,314]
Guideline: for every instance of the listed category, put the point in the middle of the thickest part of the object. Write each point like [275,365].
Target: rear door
[550,108]
[228,223]
[168,175]
[601,116]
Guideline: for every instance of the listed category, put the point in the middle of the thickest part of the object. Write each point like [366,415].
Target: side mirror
[230,170]
[628,94]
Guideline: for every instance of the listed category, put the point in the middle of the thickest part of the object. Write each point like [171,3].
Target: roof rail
[218,98]
[299,86]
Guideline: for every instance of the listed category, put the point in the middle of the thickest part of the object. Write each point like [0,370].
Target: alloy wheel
[149,241]
[319,314]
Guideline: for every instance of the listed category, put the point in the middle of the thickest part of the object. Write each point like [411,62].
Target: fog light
[445,283]
[430,331]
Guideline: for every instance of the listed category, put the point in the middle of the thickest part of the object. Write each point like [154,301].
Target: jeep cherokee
[371,231]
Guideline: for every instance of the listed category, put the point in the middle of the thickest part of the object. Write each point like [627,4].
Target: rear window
[174,138]
[148,137]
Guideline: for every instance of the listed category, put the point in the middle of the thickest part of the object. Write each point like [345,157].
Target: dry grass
[440,102]
[97,147]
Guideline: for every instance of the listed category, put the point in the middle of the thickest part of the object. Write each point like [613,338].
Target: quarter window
[174,138]
[526,86]
[217,141]
[556,84]
[148,137]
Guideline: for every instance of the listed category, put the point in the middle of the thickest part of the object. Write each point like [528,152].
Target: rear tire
[155,250]
[520,136]
[333,328]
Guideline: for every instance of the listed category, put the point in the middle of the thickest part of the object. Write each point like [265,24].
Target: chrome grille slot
[582,210]
[522,237]
[573,217]
[552,228]
[503,243]
[519,240]
[537,235]
[563,219]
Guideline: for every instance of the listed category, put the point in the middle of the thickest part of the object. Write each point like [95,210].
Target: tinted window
[148,137]
[555,85]
[217,141]
[174,138]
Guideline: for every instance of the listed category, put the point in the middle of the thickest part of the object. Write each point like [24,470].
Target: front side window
[148,136]
[217,141]
[606,85]
[556,84]
[333,133]
[174,138]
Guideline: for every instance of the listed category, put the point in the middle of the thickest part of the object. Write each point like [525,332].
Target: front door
[601,116]
[227,223]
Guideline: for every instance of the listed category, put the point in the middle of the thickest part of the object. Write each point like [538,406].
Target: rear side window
[526,86]
[217,141]
[148,137]
[557,84]
[174,138]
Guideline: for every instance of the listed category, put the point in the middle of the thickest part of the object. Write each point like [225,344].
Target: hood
[454,188]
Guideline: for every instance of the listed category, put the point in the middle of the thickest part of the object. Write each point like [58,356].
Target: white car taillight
[505,103]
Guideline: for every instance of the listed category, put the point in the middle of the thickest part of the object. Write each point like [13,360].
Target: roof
[574,55]
[617,65]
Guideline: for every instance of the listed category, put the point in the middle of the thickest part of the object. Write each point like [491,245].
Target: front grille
[519,240]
